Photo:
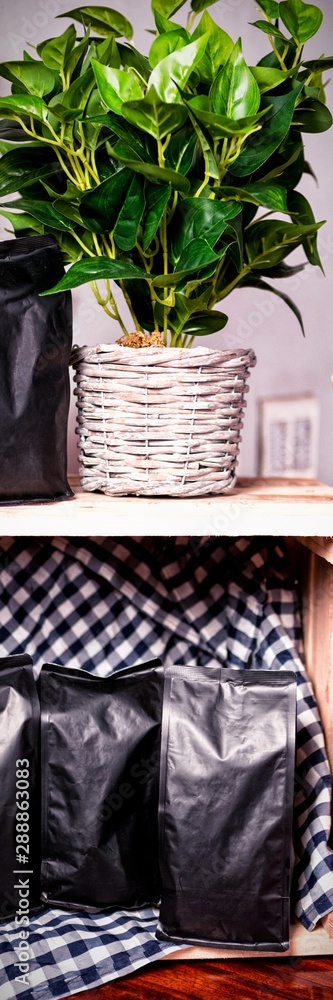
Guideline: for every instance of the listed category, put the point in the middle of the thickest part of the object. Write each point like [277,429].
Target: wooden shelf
[254,507]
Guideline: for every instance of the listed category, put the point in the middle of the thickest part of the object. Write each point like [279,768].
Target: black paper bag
[35,346]
[226,801]
[19,790]
[100,752]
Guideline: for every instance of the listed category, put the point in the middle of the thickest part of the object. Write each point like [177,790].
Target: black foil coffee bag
[35,346]
[226,800]
[100,752]
[19,790]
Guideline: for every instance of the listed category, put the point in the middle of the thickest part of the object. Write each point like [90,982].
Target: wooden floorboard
[290,979]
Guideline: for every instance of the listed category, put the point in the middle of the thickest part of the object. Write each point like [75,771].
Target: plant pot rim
[166,356]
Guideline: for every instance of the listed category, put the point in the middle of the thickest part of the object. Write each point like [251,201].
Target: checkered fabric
[102,603]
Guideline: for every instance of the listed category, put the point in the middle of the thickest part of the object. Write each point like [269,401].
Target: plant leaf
[126,228]
[157,197]
[154,173]
[301,212]
[271,7]
[154,116]
[116,86]
[91,269]
[269,242]
[55,51]
[199,5]
[21,221]
[197,216]
[166,7]
[23,104]
[180,150]
[37,78]
[312,117]
[100,207]
[103,20]
[20,168]
[269,29]
[43,211]
[302,19]
[268,77]
[164,44]
[251,281]
[219,44]
[204,322]
[174,71]
[274,128]
[235,92]
[220,126]
[272,196]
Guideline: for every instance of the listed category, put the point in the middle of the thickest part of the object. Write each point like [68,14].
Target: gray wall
[286,362]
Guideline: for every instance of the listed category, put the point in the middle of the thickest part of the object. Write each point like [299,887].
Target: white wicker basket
[159,421]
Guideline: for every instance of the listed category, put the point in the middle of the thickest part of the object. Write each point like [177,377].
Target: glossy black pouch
[35,346]
[19,790]
[100,752]
[225,807]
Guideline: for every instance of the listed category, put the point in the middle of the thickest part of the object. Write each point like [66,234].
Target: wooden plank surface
[294,979]
[254,507]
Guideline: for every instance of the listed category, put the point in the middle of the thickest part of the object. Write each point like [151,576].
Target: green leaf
[197,255]
[100,207]
[302,19]
[43,211]
[126,228]
[76,54]
[219,44]
[235,92]
[103,20]
[158,174]
[157,198]
[180,150]
[301,212]
[271,7]
[163,23]
[269,29]
[220,126]
[272,196]
[133,60]
[275,127]
[252,281]
[21,221]
[268,77]
[268,242]
[55,51]
[70,105]
[174,71]
[166,7]
[319,64]
[198,216]
[23,104]
[154,116]
[205,322]
[164,44]
[312,117]
[19,168]
[199,5]
[92,269]
[116,86]
[37,78]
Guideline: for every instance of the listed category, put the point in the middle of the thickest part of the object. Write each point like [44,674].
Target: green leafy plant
[174,175]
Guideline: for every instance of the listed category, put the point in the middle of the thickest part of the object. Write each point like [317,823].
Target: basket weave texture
[159,421]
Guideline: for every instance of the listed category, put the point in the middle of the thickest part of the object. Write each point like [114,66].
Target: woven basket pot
[159,421]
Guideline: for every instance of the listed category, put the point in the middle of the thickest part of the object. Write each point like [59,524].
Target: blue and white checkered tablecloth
[102,603]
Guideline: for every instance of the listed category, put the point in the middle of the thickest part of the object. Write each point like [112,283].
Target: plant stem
[164,243]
